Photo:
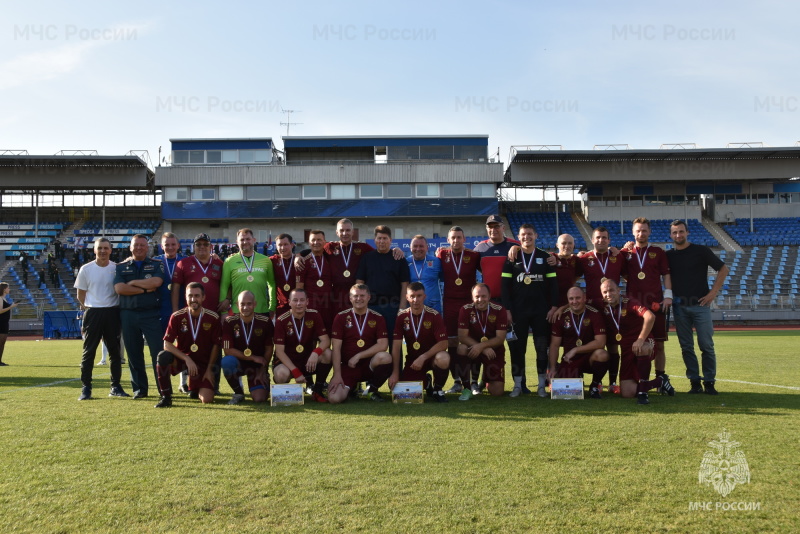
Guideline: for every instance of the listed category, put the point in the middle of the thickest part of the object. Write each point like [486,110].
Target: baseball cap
[494,219]
[202,237]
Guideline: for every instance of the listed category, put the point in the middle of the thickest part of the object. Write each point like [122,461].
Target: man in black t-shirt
[691,305]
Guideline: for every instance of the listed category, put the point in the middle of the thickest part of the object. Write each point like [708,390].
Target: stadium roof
[75,172]
[549,156]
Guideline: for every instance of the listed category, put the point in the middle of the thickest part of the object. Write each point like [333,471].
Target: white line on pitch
[758,384]
[42,385]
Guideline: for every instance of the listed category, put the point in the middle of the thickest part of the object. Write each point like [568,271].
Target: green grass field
[487,465]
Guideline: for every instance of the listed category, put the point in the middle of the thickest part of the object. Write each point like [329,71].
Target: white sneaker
[236,398]
[101,362]
[476,389]
[516,392]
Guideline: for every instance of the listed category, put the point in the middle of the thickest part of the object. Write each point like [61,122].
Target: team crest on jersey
[336,251]
[492,318]
[372,323]
[587,322]
[310,324]
[184,326]
[591,263]
[651,255]
[624,312]
[289,330]
[427,325]
[612,259]
[259,331]
[430,263]
[539,261]
[567,324]
[207,326]
[348,322]
[357,251]
[629,255]
[406,326]
[472,318]
[236,332]
[466,259]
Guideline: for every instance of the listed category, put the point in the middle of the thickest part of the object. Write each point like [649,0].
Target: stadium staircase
[584,227]
[725,240]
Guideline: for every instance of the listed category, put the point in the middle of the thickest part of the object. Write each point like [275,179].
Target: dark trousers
[135,324]
[101,324]
[537,322]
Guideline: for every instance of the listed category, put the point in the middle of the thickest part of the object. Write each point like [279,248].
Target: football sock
[439,377]
[599,371]
[613,367]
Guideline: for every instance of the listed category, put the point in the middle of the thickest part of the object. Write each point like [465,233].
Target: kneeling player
[581,331]
[247,343]
[360,344]
[192,343]
[425,335]
[302,346]
[631,325]
[482,328]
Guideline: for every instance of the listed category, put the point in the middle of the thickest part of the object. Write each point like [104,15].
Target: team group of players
[373,315]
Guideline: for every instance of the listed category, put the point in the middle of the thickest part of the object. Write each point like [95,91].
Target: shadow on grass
[532,407]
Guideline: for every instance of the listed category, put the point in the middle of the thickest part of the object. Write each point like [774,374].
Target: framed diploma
[408,393]
[286,395]
[566,388]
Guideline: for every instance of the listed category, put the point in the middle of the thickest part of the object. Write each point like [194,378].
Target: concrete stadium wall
[613,213]
[727,212]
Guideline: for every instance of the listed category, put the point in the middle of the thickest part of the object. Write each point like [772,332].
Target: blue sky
[115,77]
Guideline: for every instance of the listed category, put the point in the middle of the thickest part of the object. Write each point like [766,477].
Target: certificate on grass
[407,393]
[286,395]
[566,388]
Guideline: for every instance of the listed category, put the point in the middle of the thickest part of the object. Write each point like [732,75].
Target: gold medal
[459,281]
[169,287]
[416,345]
[320,283]
[484,339]
[247,352]
[360,343]
[641,275]
[618,337]
[287,287]
[250,278]
[578,343]
[204,279]
[527,280]
[346,273]
[299,348]
[194,347]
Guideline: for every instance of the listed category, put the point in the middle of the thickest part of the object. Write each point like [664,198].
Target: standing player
[566,264]
[205,269]
[302,346]
[285,276]
[96,295]
[247,343]
[460,270]
[494,252]
[581,332]
[597,265]
[530,294]
[426,269]
[482,328]
[360,348]
[345,257]
[689,264]
[192,343]
[315,276]
[170,258]
[631,323]
[137,283]
[248,270]
[386,275]
[647,265]
[425,338]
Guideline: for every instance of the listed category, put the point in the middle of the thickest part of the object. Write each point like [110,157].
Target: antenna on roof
[288,123]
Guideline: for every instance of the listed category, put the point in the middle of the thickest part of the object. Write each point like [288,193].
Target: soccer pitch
[487,465]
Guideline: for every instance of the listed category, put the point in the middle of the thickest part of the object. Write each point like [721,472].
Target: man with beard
[248,270]
[192,342]
[631,323]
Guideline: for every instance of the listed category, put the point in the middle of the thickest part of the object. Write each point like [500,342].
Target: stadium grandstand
[741,200]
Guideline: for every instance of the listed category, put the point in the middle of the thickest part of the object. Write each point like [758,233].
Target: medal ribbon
[486,323]
[460,261]
[419,326]
[166,266]
[285,271]
[318,266]
[201,265]
[619,314]
[346,258]
[252,261]
[642,258]
[195,330]
[602,265]
[247,334]
[527,266]
[418,271]
[299,331]
[360,327]
[575,323]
